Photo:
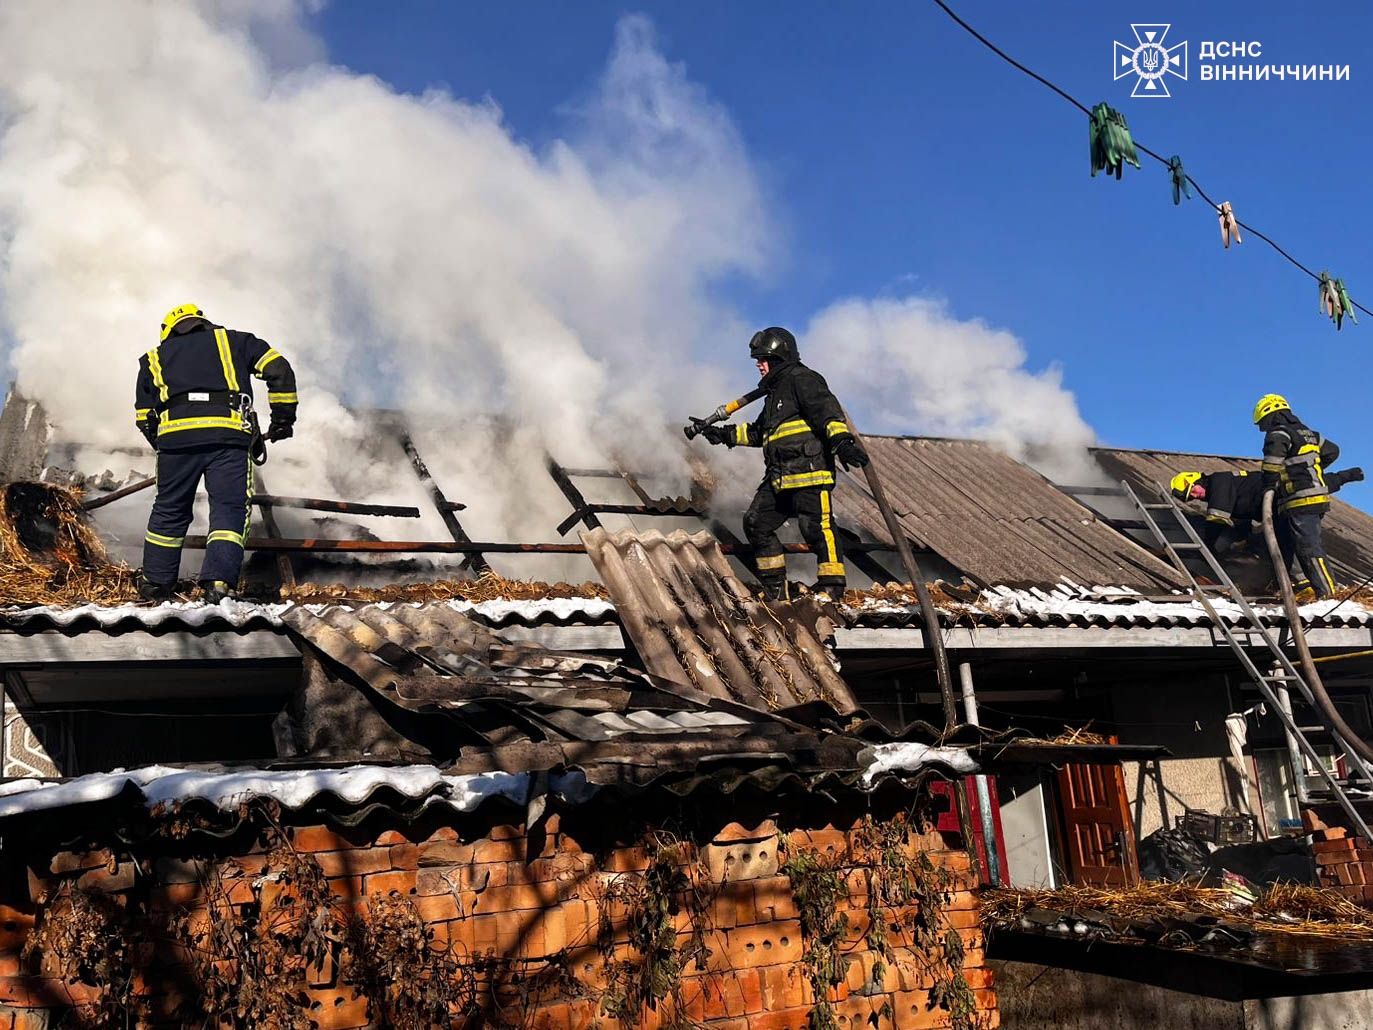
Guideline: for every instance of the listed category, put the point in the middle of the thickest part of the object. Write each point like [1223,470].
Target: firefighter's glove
[280,429]
[149,432]
[719,435]
[1354,475]
[851,454]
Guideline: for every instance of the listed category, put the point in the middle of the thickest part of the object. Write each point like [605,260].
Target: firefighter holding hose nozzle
[801,430]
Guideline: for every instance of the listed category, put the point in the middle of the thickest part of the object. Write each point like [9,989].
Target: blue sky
[902,156]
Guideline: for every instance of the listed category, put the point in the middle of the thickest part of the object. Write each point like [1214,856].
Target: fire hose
[721,413]
[1329,714]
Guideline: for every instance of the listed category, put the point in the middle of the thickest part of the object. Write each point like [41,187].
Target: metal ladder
[1273,687]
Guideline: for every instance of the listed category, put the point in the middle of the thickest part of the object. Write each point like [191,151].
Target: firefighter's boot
[776,590]
[215,590]
[151,591]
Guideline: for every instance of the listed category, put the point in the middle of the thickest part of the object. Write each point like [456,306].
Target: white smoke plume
[411,252]
[920,370]
[403,251]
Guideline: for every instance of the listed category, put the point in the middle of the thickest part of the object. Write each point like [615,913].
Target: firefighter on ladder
[194,405]
[1234,506]
[1295,458]
[801,430]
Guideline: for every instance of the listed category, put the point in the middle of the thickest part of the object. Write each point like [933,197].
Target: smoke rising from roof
[411,252]
[914,363]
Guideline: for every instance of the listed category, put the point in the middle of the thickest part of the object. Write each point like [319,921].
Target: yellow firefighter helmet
[1269,403]
[1182,484]
[174,316]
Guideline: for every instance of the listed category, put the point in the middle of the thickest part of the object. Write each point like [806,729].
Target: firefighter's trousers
[811,508]
[1299,533]
[228,479]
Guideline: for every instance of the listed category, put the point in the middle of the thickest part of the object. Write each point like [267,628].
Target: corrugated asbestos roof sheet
[1347,531]
[433,659]
[1075,607]
[175,616]
[997,521]
[693,621]
[514,707]
[518,708]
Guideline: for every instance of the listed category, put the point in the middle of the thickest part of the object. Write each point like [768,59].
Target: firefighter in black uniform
[801,430]
[194,404]
[1234,504]
[1294,462]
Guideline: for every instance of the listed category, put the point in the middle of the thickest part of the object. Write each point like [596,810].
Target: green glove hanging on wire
[1110,139]
[1180,187]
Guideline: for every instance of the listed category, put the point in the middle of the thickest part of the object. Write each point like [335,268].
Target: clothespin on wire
[1335,302]
[1180,187]
[1229,224]
[1112,145]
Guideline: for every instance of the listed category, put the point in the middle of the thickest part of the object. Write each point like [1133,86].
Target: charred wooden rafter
[444,506]
[285,570]
[344,507]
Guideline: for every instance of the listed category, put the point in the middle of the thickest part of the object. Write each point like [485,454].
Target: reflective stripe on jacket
[1294,460]
[197,386]
[799,425]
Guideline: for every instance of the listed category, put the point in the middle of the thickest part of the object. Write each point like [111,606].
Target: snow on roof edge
[240,614]
[164,785]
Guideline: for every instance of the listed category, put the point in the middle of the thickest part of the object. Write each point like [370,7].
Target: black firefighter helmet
[773,344]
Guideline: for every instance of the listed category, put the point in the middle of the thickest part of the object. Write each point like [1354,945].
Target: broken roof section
[972,510]
[693,621]
[997,521]
[434,662]
[454,693]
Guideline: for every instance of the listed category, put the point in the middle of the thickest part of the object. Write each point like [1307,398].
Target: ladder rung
[1186,547]
[1214,586]
[1158,507]
[1310,729]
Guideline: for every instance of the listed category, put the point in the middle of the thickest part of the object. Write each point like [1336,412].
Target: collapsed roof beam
[280,501]
[123,491]
[285,570]
[343,507]
[444,506]
[581,510]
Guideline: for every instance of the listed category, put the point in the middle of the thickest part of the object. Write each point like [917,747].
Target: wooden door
[1099,839]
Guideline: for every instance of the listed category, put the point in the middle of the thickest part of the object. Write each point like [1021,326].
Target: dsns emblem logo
[1150,61]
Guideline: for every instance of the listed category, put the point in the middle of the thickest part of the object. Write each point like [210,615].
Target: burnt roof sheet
[693,622]
[434,661]
[996,520]
[1347,532]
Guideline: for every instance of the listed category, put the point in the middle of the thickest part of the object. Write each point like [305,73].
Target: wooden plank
[475,560]
[285,571]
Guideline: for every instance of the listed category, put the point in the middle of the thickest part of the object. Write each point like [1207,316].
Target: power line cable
[1138,146]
